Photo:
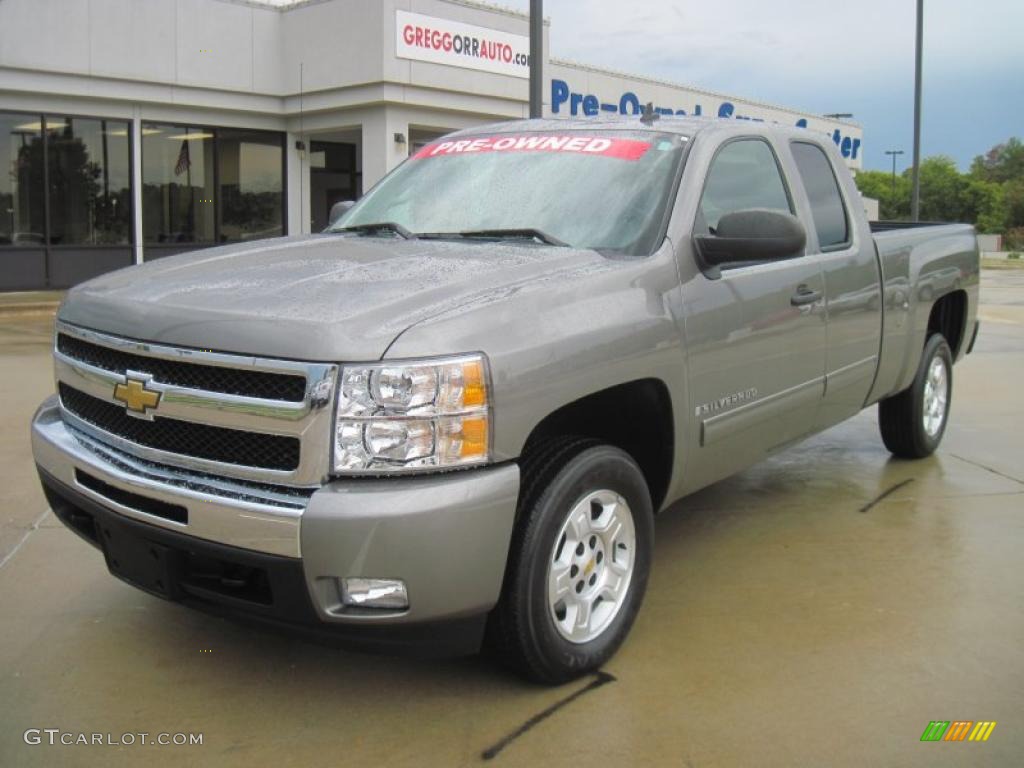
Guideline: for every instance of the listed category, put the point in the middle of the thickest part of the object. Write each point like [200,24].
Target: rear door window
[827,208]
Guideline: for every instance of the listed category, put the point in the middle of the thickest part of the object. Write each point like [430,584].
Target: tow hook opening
[233,580]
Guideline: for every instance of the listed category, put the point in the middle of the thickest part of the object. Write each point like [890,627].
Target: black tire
[901,417]
[555,477]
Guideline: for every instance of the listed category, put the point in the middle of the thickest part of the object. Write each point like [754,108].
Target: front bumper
[267,556]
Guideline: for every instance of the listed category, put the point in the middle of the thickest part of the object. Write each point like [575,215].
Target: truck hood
[317,298]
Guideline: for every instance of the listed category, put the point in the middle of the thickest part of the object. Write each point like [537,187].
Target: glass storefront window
[89,181]
[21,181]
[67,181]
[177,184]
[251,180]
[85,176]
[211,185]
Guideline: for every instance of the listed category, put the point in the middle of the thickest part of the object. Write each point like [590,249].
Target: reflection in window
[86,177]
[743,175]
[822,188]
[177,184]
[251,184]
[21,181]
[211,185]
[90,181]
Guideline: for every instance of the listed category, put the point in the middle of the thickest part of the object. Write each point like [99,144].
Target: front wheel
[913,422]
[579,563]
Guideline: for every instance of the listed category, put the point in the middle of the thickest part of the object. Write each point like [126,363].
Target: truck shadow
[228,651]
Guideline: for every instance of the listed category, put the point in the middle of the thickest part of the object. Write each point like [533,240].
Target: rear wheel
[579,563]
[913,422]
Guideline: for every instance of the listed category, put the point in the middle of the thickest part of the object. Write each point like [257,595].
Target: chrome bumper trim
[248,515]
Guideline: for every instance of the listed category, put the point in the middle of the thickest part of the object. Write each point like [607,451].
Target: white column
[381,152]
[298,185]
[137,185]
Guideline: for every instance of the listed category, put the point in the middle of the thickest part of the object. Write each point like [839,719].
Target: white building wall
[338,44]
[201,43]
[239,47]
[870,207]
[990,243]
[144,32]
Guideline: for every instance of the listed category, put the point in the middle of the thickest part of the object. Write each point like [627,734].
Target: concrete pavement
[30,303]
[818,609]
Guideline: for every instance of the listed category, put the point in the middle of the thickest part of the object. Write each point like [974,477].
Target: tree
[879,185]
[984,203]
[1002,163]
[1013,199]
[990,196]
[942,187]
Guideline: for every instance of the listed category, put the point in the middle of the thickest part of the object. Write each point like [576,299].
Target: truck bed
[919,261]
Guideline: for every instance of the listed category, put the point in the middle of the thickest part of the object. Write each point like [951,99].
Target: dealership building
[136,129]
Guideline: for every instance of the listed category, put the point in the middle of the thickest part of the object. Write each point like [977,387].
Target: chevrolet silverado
[448,421]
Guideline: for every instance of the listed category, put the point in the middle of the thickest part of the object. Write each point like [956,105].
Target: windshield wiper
[380,226]
[527,233]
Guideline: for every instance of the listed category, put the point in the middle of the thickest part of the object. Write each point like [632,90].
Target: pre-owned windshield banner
[624,149]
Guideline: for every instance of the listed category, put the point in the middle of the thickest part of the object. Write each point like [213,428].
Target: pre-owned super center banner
[441,41]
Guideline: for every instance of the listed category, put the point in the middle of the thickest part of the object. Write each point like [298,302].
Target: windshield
[599,189]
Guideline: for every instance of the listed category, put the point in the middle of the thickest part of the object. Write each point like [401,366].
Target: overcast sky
[823,56]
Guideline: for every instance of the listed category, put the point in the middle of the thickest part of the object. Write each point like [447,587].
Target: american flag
[184,163]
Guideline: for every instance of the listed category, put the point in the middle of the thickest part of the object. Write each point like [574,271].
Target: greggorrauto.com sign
[441,41]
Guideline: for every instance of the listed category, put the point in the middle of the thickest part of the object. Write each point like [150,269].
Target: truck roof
[683,125]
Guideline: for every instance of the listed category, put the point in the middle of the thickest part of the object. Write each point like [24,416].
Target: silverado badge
[135,396]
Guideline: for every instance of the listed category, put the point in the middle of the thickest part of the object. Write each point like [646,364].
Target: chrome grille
[231,446]
[254,419]
[229,381]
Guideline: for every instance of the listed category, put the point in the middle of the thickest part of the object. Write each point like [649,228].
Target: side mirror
[751,236]
[338,210]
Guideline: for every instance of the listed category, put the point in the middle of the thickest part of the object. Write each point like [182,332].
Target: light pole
[915,184]
[536,57]
[894,152]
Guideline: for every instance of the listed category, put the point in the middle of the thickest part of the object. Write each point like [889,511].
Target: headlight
[401,416]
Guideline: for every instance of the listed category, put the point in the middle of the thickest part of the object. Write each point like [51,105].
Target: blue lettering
[849,146]
[574,103]
[629,104]
[559,94]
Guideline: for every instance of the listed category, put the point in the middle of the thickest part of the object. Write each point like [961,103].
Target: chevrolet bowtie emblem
[135,396]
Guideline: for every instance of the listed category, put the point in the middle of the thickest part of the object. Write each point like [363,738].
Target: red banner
[624,149]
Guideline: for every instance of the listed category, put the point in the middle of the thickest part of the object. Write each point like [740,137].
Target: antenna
[649,115]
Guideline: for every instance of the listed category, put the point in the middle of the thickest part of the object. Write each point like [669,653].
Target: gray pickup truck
[448,421]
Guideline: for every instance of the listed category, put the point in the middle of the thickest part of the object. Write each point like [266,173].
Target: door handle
[804,296]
